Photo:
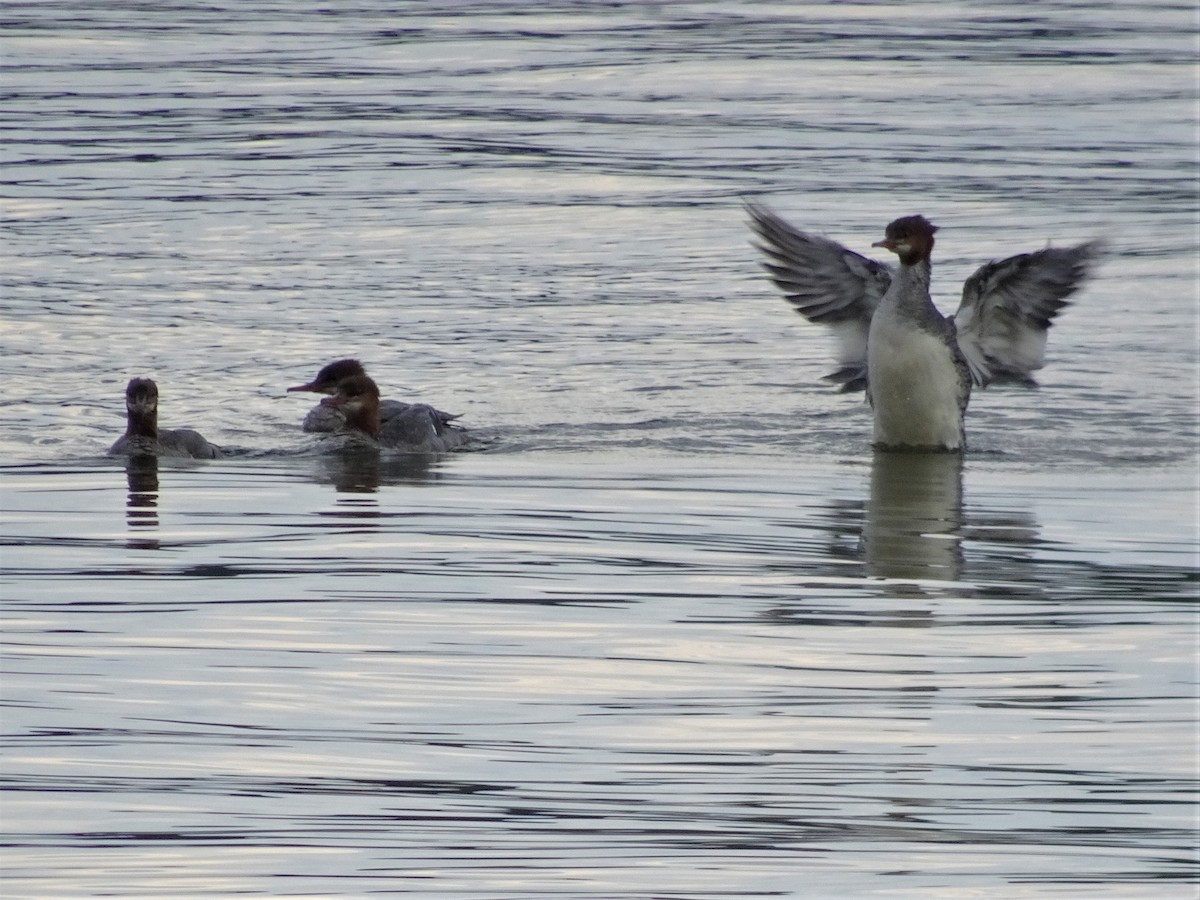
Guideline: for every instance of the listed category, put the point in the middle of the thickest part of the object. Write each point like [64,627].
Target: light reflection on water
[673,660]
[673,630]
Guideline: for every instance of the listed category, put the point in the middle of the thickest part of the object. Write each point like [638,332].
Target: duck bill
[890,245]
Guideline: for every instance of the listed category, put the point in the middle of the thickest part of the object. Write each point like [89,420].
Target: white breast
[915,387]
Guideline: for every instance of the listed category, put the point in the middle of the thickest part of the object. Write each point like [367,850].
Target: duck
[142,435]
[917,366]
[417,428]
[324,418]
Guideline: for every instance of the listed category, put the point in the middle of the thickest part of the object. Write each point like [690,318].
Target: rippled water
[674,630]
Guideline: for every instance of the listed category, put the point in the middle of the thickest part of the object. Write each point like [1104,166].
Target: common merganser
[417,428]
[142,435]
[325,418]
[916,365]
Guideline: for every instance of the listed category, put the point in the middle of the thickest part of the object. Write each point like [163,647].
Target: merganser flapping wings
[142,435]
[917,365]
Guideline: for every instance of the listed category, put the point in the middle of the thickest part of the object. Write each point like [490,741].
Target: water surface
[672,630]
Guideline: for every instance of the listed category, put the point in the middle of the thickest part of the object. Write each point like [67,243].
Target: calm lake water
[673,630]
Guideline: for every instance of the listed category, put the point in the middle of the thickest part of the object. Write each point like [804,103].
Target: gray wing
[322,419]
[1007,307]
[826,283]
[422,427]
[186,442]
[391,408]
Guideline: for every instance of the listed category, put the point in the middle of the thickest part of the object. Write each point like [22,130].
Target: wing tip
[848,378]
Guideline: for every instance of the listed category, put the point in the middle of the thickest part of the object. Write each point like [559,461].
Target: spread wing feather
[1007,307]
[826,283]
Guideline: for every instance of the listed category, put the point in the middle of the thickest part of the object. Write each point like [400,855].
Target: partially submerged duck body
[142,435]
[402,426]
[419,428]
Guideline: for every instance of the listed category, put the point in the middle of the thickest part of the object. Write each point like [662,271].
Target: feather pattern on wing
[422,427]
[1008,305]
[826,283]
[1006,308]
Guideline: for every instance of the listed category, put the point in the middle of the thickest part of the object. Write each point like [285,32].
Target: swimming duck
[325,418]
[142,435]
[918,366]
[416,428]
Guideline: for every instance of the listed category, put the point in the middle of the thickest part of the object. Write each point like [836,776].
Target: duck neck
[366,420]
[142,423]
[910,291]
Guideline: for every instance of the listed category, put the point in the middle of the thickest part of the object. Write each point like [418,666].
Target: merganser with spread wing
[918,366]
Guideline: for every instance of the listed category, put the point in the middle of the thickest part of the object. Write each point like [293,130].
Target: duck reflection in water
[913,524]
[362,470]
[141,507]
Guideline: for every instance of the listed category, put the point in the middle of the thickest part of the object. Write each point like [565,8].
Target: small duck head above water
[357,397]
[141,407]
[331,376]
[910,238]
